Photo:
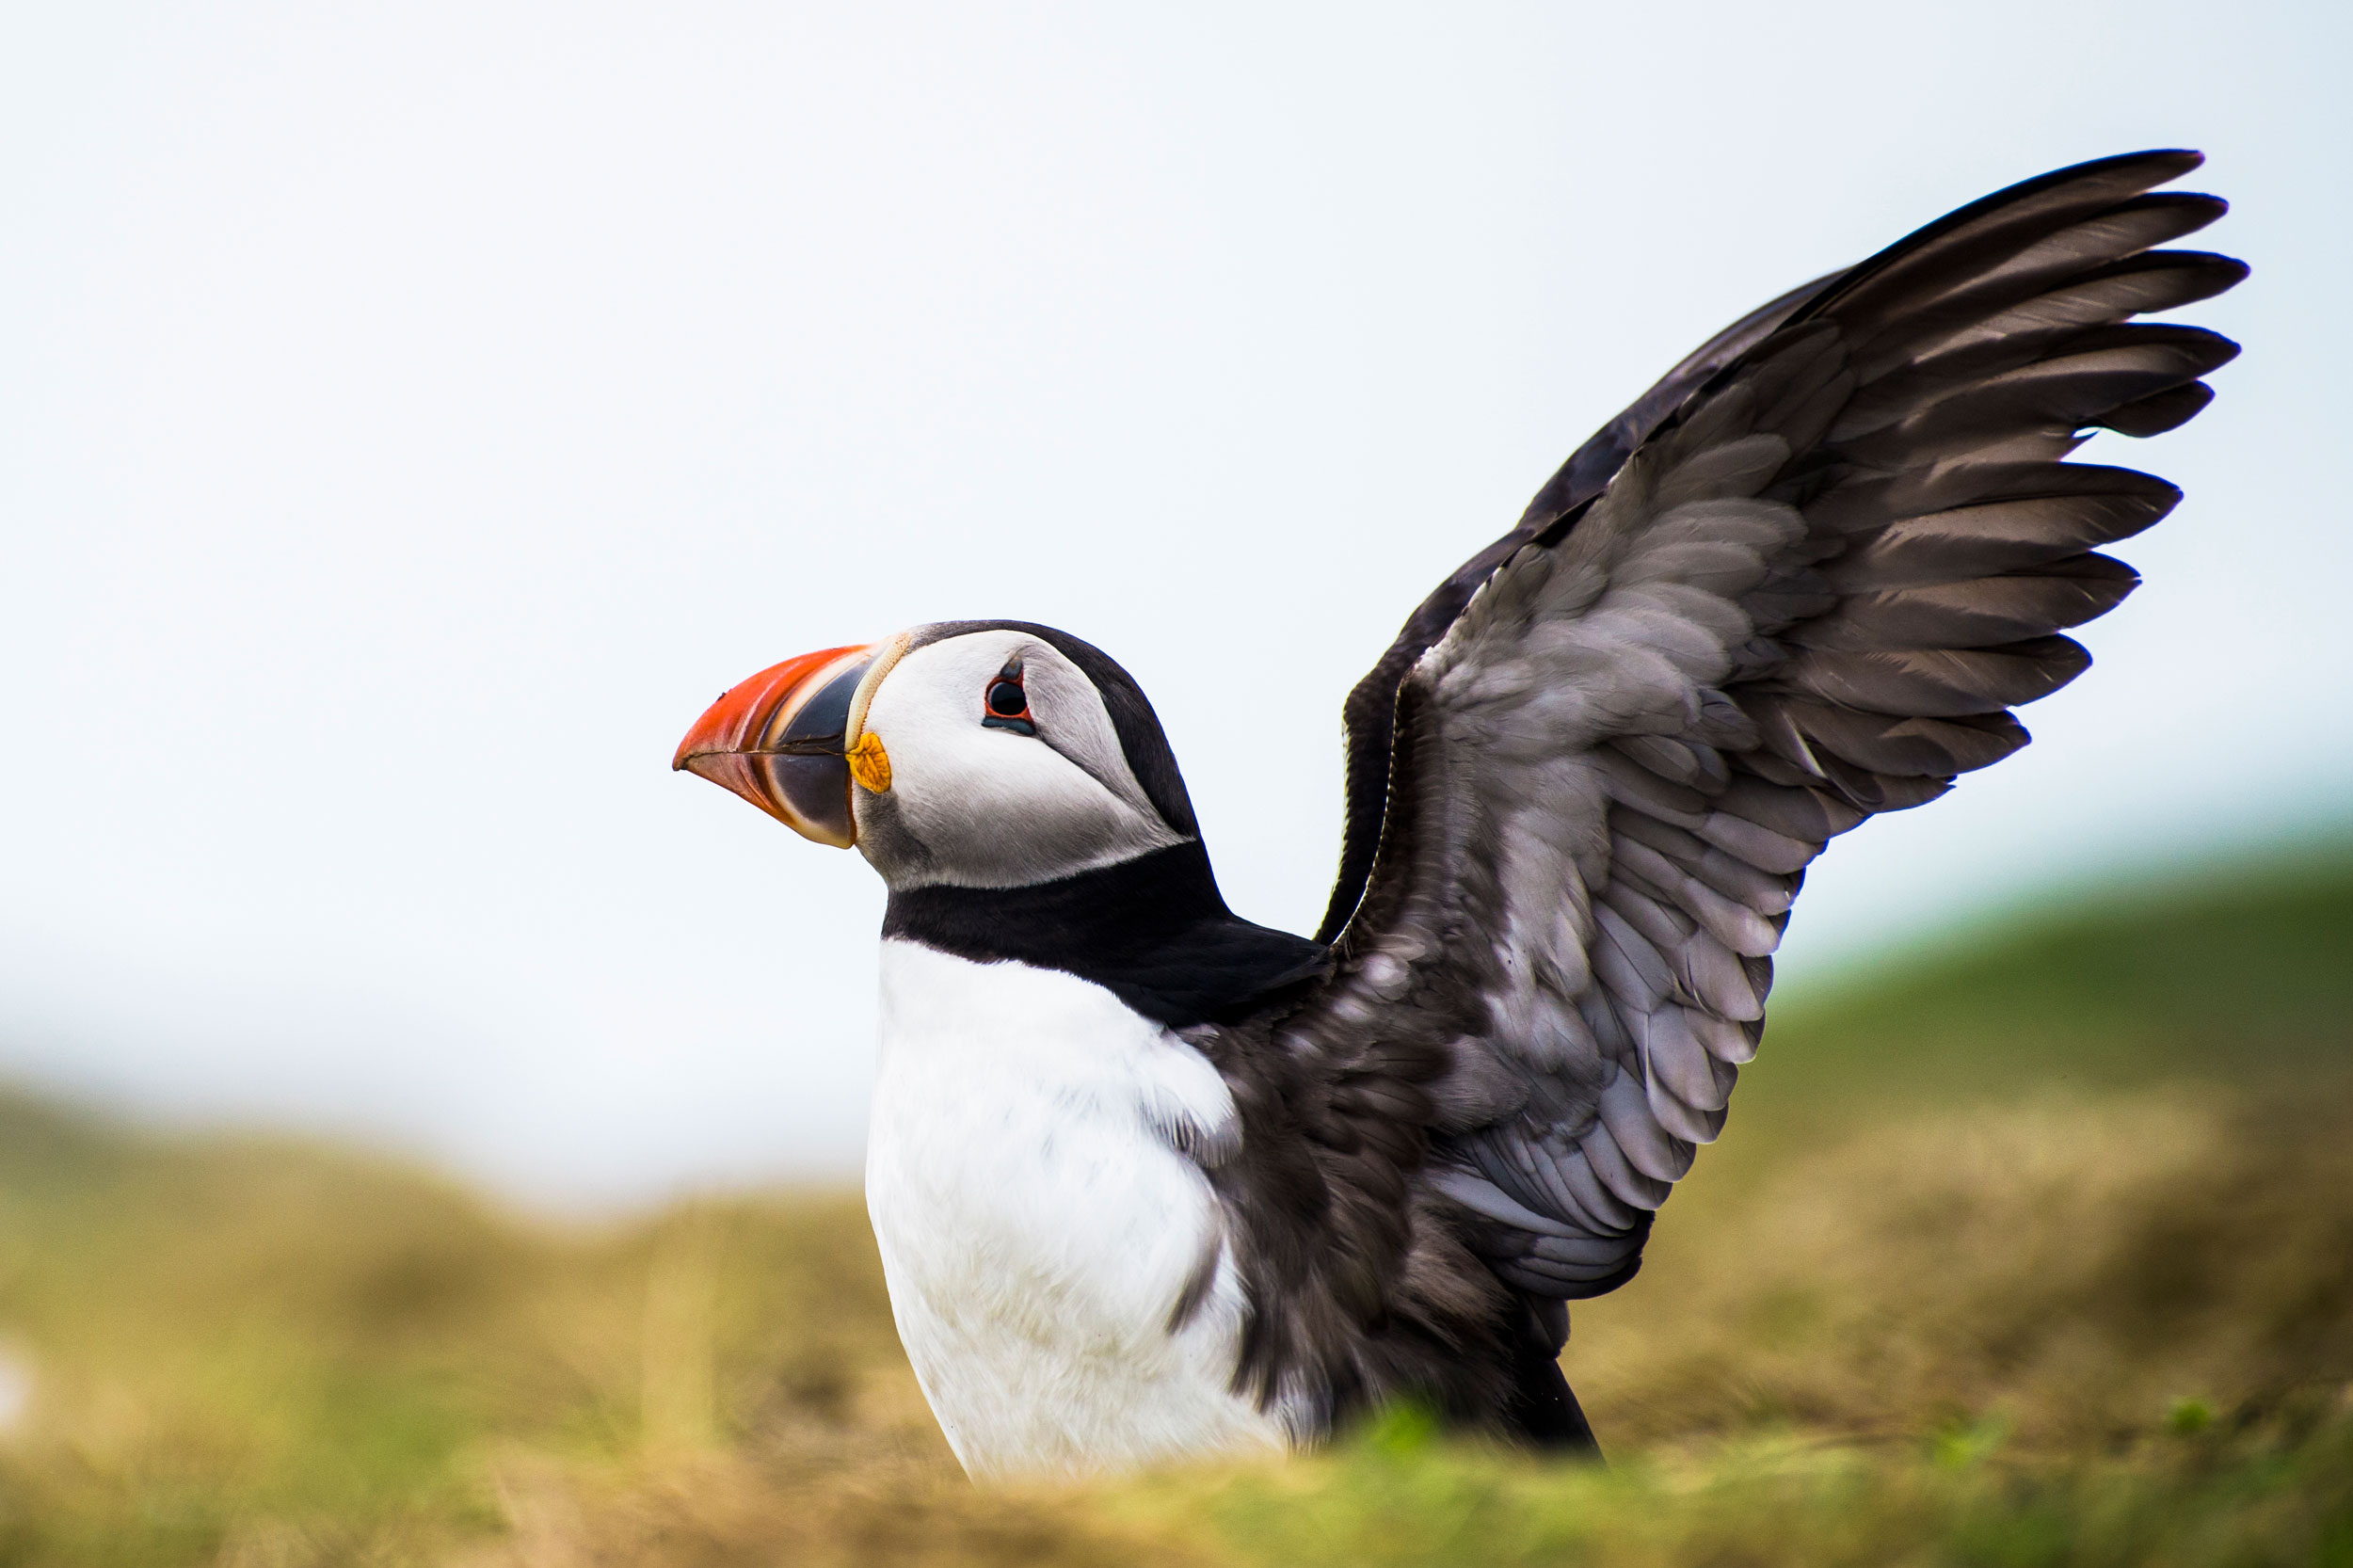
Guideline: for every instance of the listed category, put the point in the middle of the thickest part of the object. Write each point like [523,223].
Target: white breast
[1039,1226]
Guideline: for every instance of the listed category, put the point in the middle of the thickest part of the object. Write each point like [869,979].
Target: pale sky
[415,415]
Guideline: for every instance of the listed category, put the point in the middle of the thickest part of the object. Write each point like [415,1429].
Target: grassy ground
[2037,1250]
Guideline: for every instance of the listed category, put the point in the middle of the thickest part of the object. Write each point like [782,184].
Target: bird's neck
[1133,905]
[1154,930]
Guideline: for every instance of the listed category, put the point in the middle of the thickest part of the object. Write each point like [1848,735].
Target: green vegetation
[2239,975]
[2033,1250]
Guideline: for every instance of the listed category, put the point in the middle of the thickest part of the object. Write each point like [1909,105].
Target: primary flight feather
[1152,1182]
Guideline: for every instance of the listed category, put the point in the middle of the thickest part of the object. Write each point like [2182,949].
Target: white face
[972,803]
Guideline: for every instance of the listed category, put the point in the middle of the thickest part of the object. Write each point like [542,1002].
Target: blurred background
[413,415]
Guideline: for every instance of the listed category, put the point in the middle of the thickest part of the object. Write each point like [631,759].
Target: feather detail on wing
[1803,581]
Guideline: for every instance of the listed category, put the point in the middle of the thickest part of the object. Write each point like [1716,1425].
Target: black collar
[1153,931]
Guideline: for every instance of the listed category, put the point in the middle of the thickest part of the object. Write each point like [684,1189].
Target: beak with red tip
[780,740]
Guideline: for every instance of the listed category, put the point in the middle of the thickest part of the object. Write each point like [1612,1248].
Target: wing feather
[1802,582]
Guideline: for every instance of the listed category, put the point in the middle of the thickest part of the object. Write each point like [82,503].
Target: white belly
[1038,1226]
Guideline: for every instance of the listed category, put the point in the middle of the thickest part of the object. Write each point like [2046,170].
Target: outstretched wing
[1803,580]
[1369,715]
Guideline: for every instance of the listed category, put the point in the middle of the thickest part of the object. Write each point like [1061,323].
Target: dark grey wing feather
[1818,572]
[1369,715]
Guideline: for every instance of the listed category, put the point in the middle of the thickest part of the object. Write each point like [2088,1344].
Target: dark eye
[1005,705]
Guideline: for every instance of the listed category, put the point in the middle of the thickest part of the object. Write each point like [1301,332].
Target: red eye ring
[1005,703]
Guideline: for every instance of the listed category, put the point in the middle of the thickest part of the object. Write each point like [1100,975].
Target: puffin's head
[973,754]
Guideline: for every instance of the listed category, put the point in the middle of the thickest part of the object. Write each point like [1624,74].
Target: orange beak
[777,741]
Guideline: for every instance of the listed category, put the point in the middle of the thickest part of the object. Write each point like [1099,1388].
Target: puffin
[1152,1182]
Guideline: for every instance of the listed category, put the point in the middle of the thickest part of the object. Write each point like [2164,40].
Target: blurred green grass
[2034,1246]
[2238,973]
